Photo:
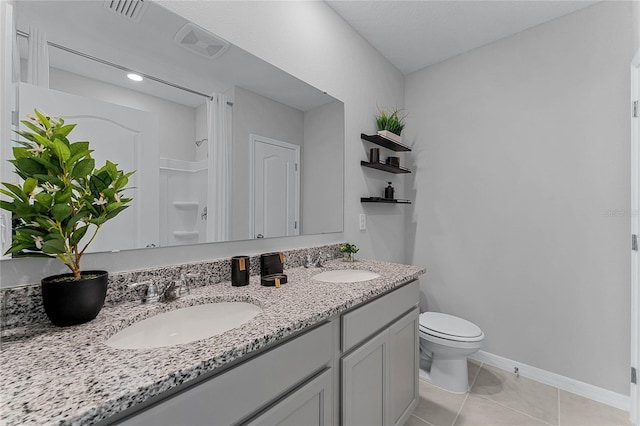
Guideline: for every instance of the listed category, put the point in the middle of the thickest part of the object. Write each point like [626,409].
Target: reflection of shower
[198,143]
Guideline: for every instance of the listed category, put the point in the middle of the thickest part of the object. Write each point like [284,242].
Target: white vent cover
[197,40]
[131,9]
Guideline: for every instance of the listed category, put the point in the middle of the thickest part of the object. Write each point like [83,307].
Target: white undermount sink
[345,276]
[184,325]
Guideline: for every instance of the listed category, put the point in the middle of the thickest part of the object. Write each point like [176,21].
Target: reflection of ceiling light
[134,77]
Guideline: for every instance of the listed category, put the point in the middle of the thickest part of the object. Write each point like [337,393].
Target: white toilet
[445,343]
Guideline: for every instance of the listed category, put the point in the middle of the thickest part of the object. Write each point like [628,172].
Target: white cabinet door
[364,383]
[380,378]
[311,405]
[403,367]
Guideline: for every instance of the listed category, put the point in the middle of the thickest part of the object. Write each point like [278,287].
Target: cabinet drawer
[366,320]
[235,394]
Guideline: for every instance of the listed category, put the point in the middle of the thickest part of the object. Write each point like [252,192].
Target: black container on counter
[239,271]
[271,263]
[274,280]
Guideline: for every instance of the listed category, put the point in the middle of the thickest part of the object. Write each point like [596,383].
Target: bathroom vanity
[318,353]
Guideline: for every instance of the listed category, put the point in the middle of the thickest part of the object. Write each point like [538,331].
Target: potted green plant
[390,125]
[349,250]
[59,209]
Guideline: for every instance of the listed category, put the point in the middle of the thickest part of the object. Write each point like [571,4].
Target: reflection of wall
[256,114]
[177,123]
[321,192]
[183,196]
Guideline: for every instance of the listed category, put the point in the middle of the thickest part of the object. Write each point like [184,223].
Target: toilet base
[450,374]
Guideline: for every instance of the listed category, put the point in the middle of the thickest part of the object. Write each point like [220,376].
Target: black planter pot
[74,302]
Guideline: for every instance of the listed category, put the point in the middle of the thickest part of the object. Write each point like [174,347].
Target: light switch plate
[363,222]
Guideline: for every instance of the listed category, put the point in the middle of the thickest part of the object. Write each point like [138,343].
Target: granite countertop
[68,375]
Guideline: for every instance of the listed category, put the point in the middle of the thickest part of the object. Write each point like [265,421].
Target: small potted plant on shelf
[390,125]
[58,211]
[349,250]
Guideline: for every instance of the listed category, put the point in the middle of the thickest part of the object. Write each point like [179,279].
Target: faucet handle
[151,295]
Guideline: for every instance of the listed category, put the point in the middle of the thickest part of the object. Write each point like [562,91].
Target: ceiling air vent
[131,9]
[197,40]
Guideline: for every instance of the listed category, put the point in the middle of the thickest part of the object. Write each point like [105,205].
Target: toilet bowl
[445,343]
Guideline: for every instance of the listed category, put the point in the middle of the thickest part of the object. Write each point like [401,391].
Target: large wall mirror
[226,146]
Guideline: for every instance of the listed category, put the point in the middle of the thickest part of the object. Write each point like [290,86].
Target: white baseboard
[586,390]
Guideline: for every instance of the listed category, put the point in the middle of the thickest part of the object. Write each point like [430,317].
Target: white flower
[101,201]
[32,194]
[33,224]
[36,148]
[117,197]
[38,240]
[50,187]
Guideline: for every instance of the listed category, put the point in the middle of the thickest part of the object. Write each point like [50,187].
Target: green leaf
[61,212]
[75,219]
[65,130]
[83,168]
[53,168]
[116,211]
[29,166]
[99,182]
[77,156]
[61,150]
[16,190]
[32,127]
[54,246]
[51,179]
[19,152]
[98,221]
[44,120]
[29,185]
[77,147]
[31,231]
[44,199]
[77,235]
[64,196]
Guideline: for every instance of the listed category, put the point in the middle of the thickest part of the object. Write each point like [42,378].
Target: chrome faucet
[310,263]
[318,262]
[151,294]
[173,291]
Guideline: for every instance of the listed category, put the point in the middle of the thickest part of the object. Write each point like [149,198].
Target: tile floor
[499,397]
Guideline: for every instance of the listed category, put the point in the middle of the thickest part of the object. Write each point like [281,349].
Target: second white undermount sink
[184,325]
[345,276]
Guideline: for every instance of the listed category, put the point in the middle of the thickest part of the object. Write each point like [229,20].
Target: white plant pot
[391,136]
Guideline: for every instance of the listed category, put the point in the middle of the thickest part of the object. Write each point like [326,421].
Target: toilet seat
[449,327]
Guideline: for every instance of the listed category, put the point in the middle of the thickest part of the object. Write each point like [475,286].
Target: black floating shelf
[385,167]
[387,143]
[383,200]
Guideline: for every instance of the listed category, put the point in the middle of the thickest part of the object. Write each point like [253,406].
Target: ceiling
[415,34]
[146,45]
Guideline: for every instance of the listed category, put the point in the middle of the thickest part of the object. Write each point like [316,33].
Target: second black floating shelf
[385,167]
[383,200]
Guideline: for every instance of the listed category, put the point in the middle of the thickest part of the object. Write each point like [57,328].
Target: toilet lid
[448,325]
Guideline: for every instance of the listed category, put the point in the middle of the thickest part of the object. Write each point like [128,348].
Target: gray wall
[522,192]
[255,114]
[322,194]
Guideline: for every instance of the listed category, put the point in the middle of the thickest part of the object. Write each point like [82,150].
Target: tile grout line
[422,420]
[473,382]
[514,410]
[559,421]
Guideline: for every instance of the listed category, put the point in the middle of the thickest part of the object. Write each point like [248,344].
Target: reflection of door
[275,187]
[125,136]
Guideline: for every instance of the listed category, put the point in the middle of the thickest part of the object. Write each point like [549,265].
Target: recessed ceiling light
[134,77]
